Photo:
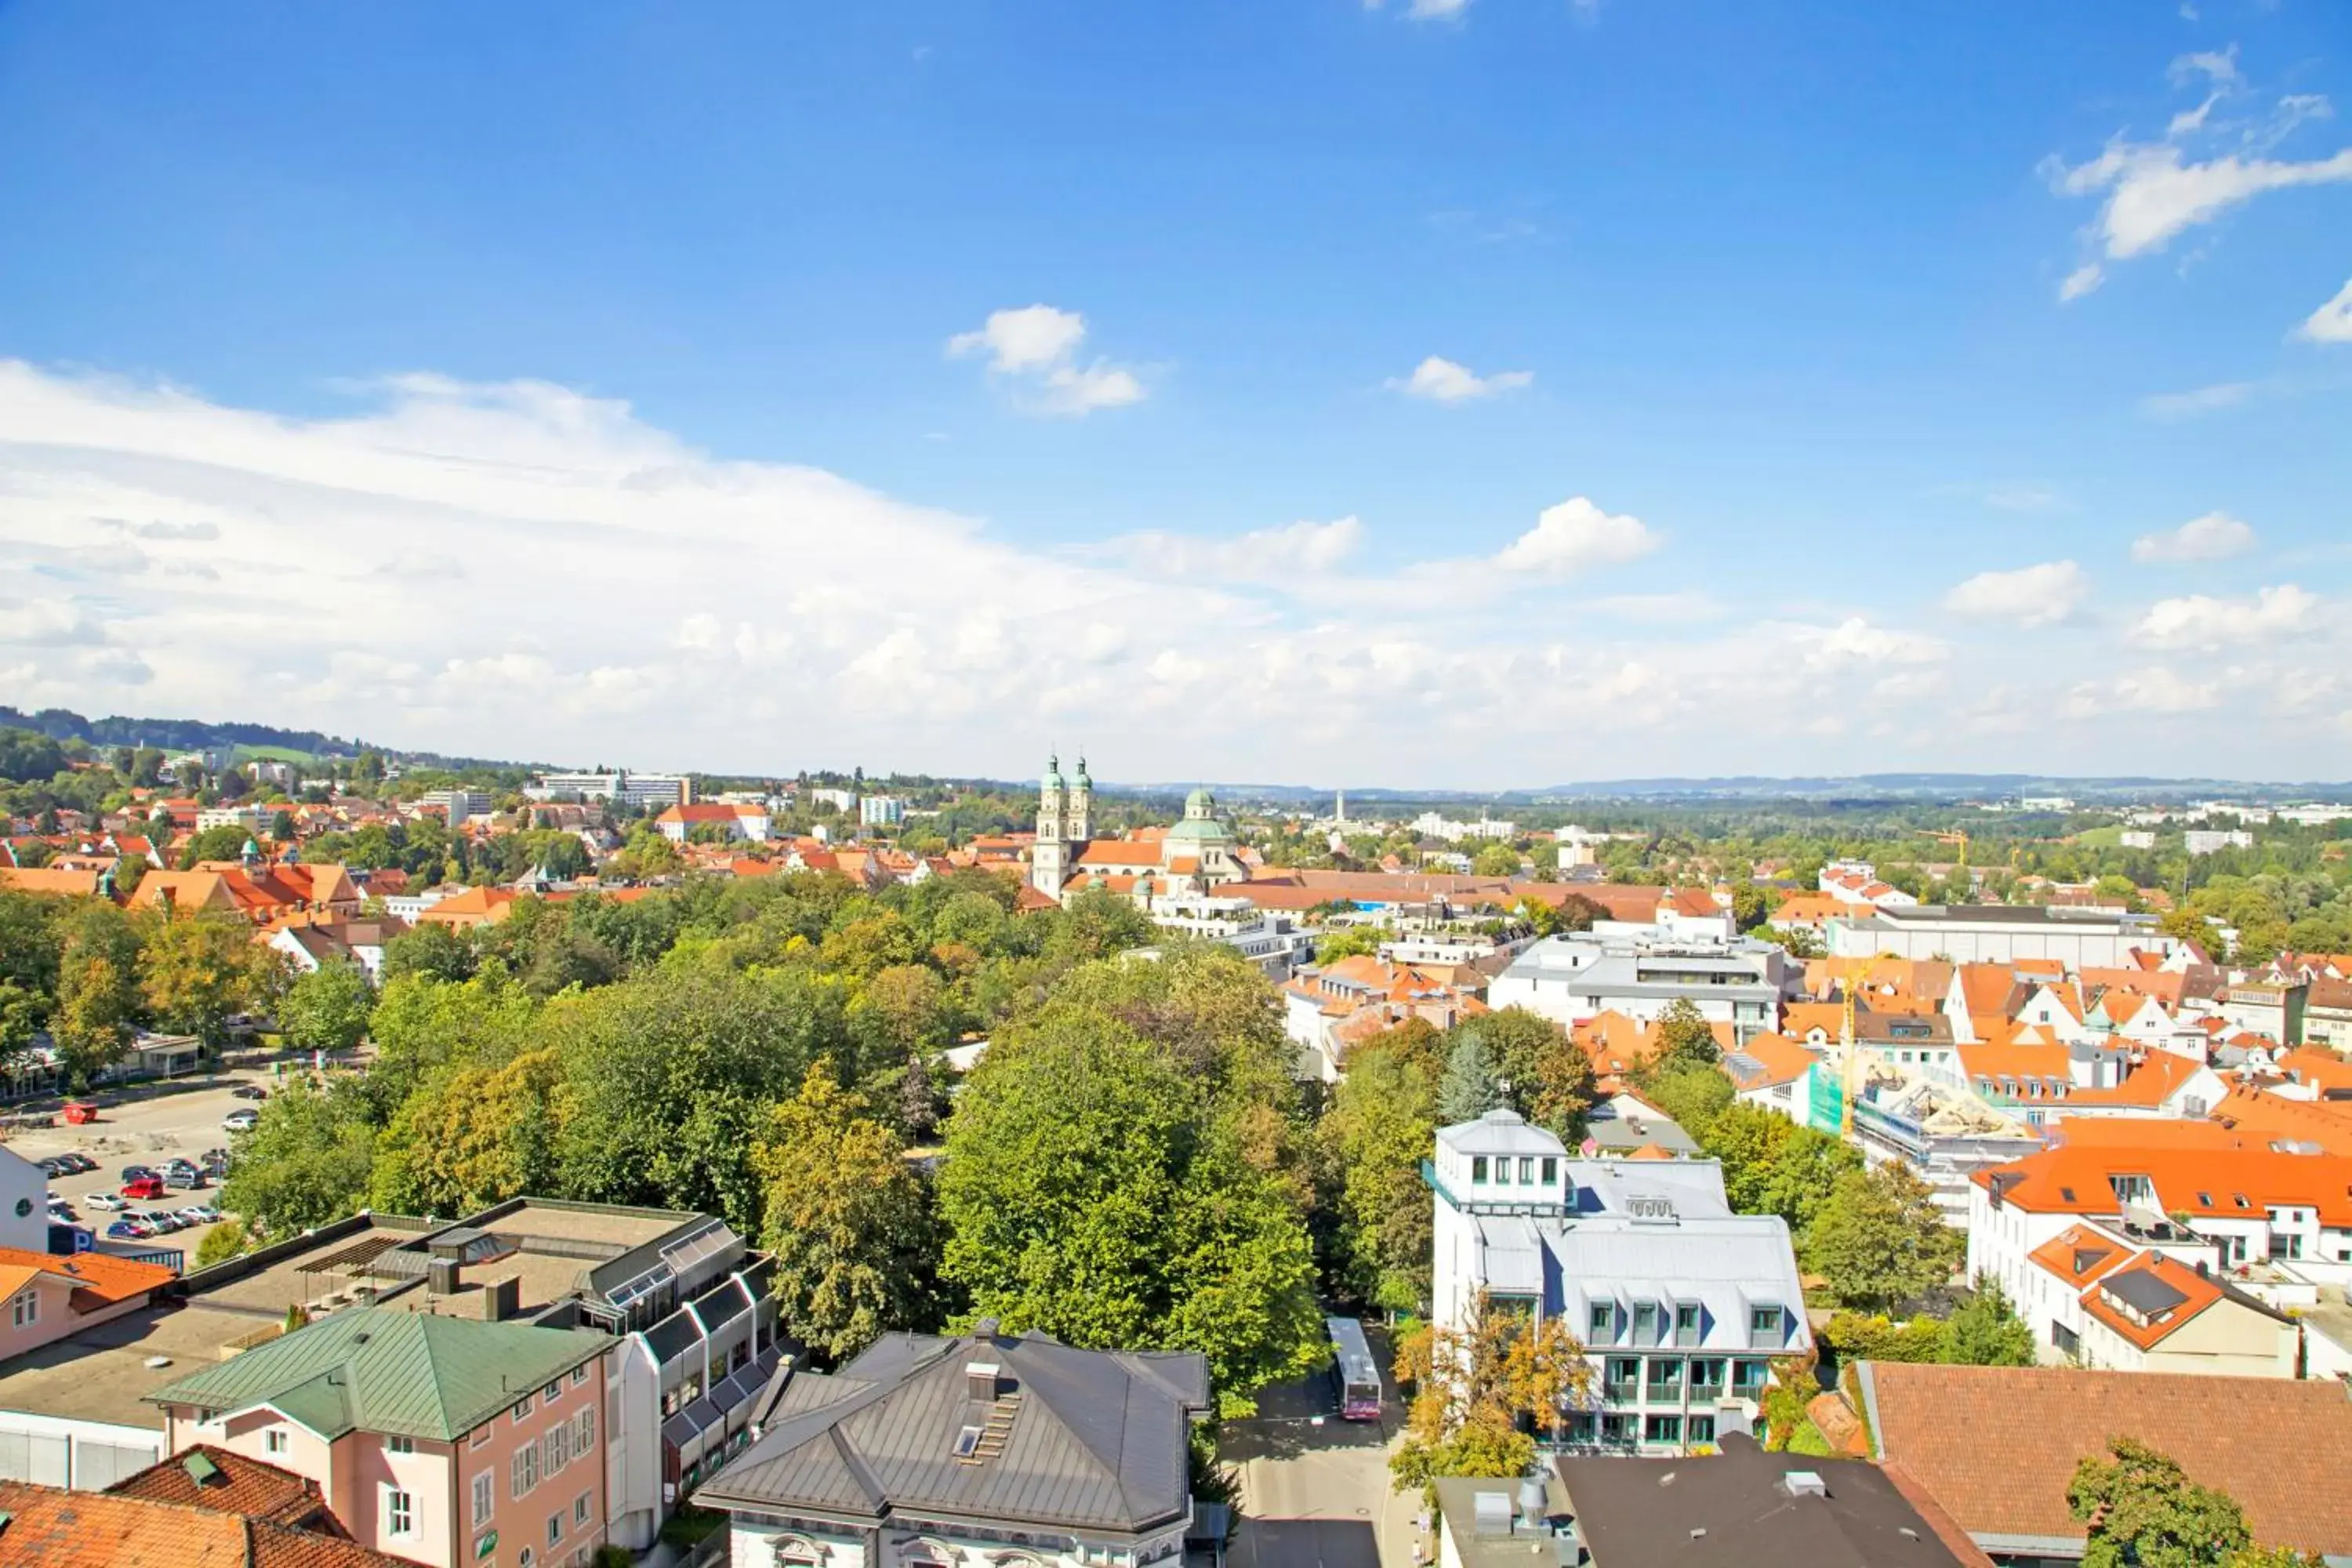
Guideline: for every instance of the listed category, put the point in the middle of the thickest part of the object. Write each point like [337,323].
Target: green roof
[372,1369]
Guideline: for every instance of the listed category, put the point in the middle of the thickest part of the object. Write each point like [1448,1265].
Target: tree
[20,1016]
[97,995]
[1381,1126]
[848,1221]
[2144,1512]
[433,947]
[1545,1075]
[1798,942]
[1496,861]
[1879,1240]
[1750,905]
[1475,1387]
[223,842]
[281,827]
[919,1100]
[1685,1039]
[1691,1096]
[1348,941]
[1469,1089]
[1093,1190]
[1985,1329]
[471,1136]
[197,969]
[326,1009]
[305,1161]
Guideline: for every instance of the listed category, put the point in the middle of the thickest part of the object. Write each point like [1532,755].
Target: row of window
[542,1458]
[1688,1320]
[1501,1166]
[1660,1378]
[547,1396]
[1619,1430]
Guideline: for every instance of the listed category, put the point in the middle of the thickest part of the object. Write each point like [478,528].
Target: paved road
[1315,1490]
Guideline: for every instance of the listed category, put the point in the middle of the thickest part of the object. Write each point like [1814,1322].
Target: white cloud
[2042,595]
[2203,166]
[727,614]
[2204,621]
[1036,346]
[1576,536]
[1442,381]
[2154,690]
[2198,400]
[2332,322]
[2216,536]
[1855,641]
[1265,555]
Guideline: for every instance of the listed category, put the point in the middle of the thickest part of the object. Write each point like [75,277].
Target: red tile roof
[100,1279]
[235,1484]
[1996,1446]
[51,1527]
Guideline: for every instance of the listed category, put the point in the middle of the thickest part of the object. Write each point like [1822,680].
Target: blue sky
[1516,392]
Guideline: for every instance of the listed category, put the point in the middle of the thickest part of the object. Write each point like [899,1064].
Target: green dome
[1200,830]
[1200,803]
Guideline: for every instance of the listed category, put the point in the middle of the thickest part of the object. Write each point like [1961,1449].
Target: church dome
[1200,803]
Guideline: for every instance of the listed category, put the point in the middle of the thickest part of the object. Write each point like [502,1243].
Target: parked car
[200,1214]
[250,1092]
[186,1181]
[60,1209]
[150,1185]
[52,1167]
[164,1221]
[104,1201]
[78,1163]
[178,1167]
[130,1230]
[241,1119]
[132,1172]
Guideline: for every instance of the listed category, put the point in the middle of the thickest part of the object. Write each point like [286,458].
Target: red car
[143,1187]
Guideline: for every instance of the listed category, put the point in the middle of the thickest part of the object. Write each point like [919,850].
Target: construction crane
[1851,1084]
[1957,835]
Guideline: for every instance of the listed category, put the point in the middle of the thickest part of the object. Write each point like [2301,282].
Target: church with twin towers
[1189,858]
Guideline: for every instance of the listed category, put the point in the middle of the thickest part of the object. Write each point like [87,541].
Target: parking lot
[1315,1488]
[148,1132]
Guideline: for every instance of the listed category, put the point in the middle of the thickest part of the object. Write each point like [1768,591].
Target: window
[1747,1377]
[521,1409]
[479,1436]
[274,1441]
[580,1510]
[554,1529]
[1645,1321]
[524,1559]
[1662,1429]
[2064,1339]
[553,1392]
[1603,1323]
[1687,1321]
[399,1511]
[1526,1169]
[1706,1377]
[1666,1378]
[1478,1168]
[1550,1170]
[1764,1320]
[400,1445]
[482,1500]
[2240,1198]
[558,1447]
[26,1308]
[522,1469]
[2204,1200]
[580,1374]
[584,1436]
[1698,1428]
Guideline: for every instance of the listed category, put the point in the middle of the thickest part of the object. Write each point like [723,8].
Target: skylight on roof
[966,1441]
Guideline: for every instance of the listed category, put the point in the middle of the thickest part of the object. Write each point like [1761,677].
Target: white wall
[24,1204]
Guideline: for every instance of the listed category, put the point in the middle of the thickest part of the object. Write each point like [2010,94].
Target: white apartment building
[1679,1303]
[461,804]
[1999,934]
[2207,840]
[1640,970]
[881,811]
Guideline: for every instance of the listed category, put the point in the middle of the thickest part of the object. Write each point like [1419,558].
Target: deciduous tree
[326,1009]
[2144,1512]
[1475,1387]
[1879,1239]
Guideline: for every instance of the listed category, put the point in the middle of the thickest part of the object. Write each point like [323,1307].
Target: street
[1315,1488]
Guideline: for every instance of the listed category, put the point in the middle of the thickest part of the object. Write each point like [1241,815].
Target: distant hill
[175,734]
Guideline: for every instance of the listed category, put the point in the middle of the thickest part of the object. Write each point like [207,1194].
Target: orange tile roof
[1784,1060]
[1119,852]
[2079,1255]
[55,880]
[2145,1086]
[51,1527]
[2074,1177]
[2198,1293]
[101,1278]
[237,1485]
[2258,1112]
[1996,1446]
[2323,1070]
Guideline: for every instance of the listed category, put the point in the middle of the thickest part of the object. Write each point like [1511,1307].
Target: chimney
[441,1275]
[501,1297]
[980,1380]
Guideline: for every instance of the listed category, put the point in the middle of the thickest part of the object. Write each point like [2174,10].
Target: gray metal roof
[1096,1443]
[2142,1289]
[1500,1132]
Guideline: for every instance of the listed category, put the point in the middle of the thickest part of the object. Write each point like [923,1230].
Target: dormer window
[1764,1320]
[1602,1322]
[1550,1171]
[1645,1321]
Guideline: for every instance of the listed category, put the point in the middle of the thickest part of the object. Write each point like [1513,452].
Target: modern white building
[1640,970]
[1679,1303]
[462,805]
[881,811]
[1999,934]
[2207,840]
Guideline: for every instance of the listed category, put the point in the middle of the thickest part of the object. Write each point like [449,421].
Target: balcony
[1620,1390]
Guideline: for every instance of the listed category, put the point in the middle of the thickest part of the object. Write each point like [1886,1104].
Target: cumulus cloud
[2332,322]
[2040,595]
[1442,381]
[1036,346]
[2150,192]
[692,610]
[1575,536]
[2154,690]
[2216,536]
[2204,621]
